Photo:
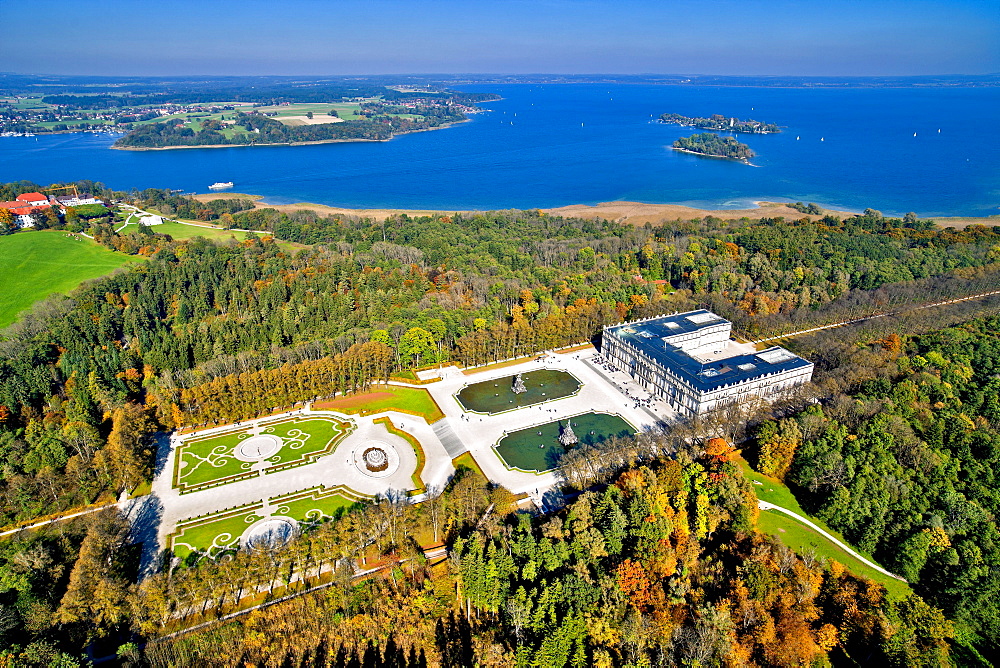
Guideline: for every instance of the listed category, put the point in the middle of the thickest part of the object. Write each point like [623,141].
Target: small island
[722,123]
[714,146]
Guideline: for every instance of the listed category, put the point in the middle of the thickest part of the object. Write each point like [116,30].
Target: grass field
[347,111]
[387,398]
[203,462]
[36,264]
[181,231]
[184,231]
[802,538]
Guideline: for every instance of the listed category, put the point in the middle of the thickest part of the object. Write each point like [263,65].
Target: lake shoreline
[633,213]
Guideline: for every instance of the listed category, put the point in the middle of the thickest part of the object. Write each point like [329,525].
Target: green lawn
[36,264]
[221,531]
[214,533]
[802,539]
[205,461]
[315,504]
[386,398]
[181,231]
[306,439]
[772,491]
[469,462]
[209,461]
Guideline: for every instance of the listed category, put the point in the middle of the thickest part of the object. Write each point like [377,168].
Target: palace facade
[690,361]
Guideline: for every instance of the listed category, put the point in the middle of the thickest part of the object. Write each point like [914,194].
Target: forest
[905,465]
[661,565]
[660,538]
[720,122]
[714,146]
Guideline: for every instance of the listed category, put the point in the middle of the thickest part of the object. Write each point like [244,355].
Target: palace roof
[647,336]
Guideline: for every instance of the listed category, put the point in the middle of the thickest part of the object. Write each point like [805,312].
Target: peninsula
[714,146]
[721,123]
[368,120]
[229,111]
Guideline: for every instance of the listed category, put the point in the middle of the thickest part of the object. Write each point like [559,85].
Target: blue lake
[552,145]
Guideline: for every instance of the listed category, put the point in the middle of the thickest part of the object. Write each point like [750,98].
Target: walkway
[874,317]
[764,505]
[60,518]
[452,443]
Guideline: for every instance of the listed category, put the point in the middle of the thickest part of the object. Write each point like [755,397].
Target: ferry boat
[218,185]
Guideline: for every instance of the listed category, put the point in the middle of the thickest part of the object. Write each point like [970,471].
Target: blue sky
[803,37]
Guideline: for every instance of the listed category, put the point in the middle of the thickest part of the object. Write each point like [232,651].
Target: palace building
[690,361]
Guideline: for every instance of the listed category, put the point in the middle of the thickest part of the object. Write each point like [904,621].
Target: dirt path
[876,316]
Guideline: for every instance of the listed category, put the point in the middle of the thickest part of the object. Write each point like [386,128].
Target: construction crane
[75,190]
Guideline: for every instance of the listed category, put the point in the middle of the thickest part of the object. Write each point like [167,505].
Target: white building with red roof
[25,206]
[33,199]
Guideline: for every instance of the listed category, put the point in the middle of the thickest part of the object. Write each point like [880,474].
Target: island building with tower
[690,361]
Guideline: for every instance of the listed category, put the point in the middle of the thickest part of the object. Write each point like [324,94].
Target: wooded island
[722,123]
[714,146]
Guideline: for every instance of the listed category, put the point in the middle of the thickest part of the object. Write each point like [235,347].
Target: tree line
[379,124]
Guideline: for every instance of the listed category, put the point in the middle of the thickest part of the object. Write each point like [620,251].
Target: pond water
[537,448]
[497,396]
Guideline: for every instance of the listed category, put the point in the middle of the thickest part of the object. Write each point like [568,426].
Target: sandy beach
[634,213]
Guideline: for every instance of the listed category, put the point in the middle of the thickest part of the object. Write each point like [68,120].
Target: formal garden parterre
[266,447]
[216,533]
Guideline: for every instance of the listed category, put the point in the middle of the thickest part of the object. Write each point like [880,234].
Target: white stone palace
[690,361]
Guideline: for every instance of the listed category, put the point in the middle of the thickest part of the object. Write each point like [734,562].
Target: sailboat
[796,138]
[822,139]
[914,134]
